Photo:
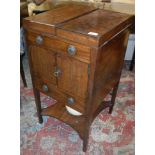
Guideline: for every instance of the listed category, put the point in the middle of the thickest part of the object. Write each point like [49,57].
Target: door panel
[43,63]
[74,76]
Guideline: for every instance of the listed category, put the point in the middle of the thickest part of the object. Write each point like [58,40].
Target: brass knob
[70,100]
[71,50]
[45,88]
[57,72]
[39,40]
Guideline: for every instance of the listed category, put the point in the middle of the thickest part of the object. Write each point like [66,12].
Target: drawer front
[61,96]
[71,49]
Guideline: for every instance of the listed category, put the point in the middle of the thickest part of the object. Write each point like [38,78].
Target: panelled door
[43,64]
[74,75]
[69,74]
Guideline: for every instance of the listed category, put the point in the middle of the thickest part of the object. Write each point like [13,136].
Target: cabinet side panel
[109,65]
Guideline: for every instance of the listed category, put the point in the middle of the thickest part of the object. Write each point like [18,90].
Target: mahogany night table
[76,55]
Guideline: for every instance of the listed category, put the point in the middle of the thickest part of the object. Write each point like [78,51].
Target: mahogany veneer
[76,55]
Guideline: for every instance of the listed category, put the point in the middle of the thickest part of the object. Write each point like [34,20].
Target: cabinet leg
[86,135]
[85,141]
[114,92]
[132,61]
[22,72]
[38,104]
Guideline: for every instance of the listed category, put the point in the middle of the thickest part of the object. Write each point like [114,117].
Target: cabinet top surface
[83,21]
[60,14]
[96,23]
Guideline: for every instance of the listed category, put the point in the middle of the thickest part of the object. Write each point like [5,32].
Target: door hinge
[88,71]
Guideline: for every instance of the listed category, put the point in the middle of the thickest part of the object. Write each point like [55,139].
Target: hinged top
[97,26]
[80,23]
[46,22]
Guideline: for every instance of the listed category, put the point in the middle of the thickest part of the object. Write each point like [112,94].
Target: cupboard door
[43,64]
[74,76]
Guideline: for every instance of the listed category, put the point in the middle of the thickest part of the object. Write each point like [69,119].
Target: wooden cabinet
[77,59]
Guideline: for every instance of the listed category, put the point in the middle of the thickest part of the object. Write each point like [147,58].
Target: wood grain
[43,64]
[46,22]
[102,22]
[60,45]
[74,75]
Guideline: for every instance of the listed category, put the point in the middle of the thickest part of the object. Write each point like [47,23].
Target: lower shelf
[59,112]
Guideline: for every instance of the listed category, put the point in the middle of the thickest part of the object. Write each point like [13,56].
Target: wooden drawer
[62,97]
[72,49]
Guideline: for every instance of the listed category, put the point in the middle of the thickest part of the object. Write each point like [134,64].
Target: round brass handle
[57,72]
[45,88]
[70,100]
[71,50]
[39,40]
